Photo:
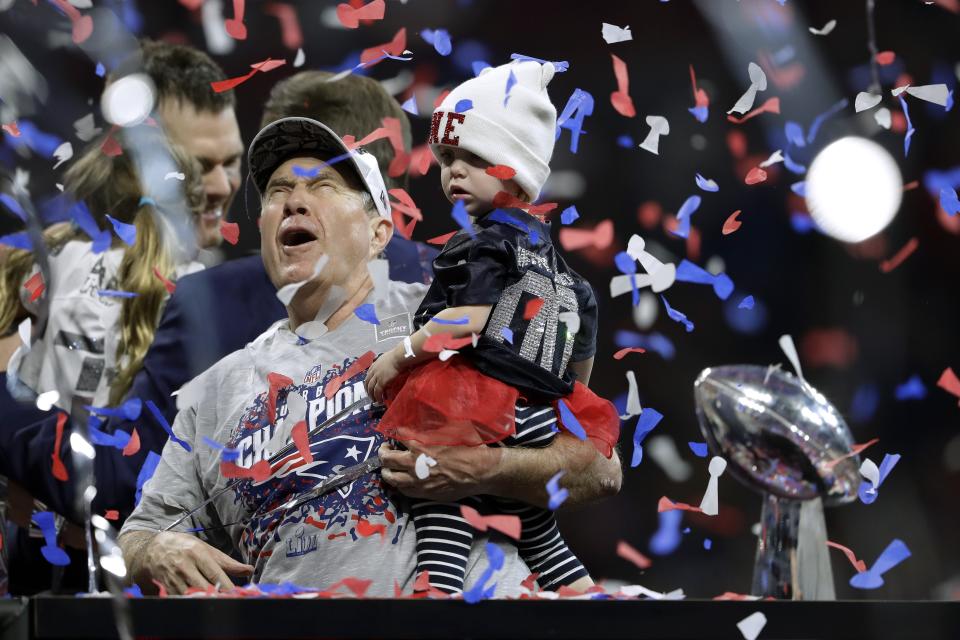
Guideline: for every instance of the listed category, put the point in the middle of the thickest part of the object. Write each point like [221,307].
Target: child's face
[463,176]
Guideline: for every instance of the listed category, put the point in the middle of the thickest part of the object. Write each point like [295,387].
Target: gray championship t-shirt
[362,529]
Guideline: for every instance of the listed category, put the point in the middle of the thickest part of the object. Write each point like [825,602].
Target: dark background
[899,324]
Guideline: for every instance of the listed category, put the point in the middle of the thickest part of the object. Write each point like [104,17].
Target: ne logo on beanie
[452,119]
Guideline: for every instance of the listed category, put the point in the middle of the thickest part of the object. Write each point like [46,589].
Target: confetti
[699,449]
[658,127]
[12,129]
[707,544]
[557,495]
[302,441]
[758,82]
[35,285]
[367,313]
[291,34]
[82,26]
[949,382]
[509,201]
[823,117]
[133,445]
[889,265]
[532,308]
[731,224]
[868,490]
[619,355]
[569,421]
[570,214]
[666,504]
[422,466]
[859,565]
[227,454]
[752,625]
[721,283]
[166,425]
[53,554]
[646,423]
[620,99]
[866,100]
[600,237]
[949,201]
[169,286]
[701,108]
[824,30]
[350,17]
[442,239]
[234,26]
[747,303]
[360,365]
[258,472]
[935,93]
[895,553]
[47,399]
[59,470]
[508,525]
[855,450]
[667,537]
[511,81]
[126,232]
[114,293]
[755,176]
[501,171]
[710,503]
[706,185]
[613,34]
[439,342]
[627,552]
[62,153]
[579,106]
[146,472]
[677,316]
[633,407]
[440,40]
[267,65]
[912,389]
[479,591]
[11,203]
[772,105]
[910,130]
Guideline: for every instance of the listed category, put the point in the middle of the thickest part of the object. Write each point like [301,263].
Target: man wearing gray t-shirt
[322,227]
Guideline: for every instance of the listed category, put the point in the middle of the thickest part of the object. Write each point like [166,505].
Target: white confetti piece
[866,100]
[85,128]
[446,354]
[299,59]
[790,349]
[758,82]
[633,397]
[613,34]
[935,93]
[422,466]
[825,29]
[285,293]
[663,451]
[752,625]
[883,117]
[572,320]
[775,157]
[408,348]
[870,471]
[710,505]
[47,399]
[311,330]
[24,329]
[62,153]
[174,175]
[635,247]
[658,127]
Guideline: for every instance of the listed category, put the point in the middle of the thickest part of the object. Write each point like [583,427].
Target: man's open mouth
[296,236]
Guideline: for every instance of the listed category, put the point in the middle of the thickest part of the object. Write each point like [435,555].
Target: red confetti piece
[12,129]
[627,552]
[35,286]
[701,99]
[59,470]
[619,355]
[161,590]
[359,366]
[112,514]
[600,237]
[889,265]
[110,147]
[731,224]
[404,207]
[365,529]
[258,472]
[289,23]
[356,585]
[501,172]
[620,99]
[299,435]
[170,287]
[441,240]
[568,592]
[443,94]
[666,504]
[507,525]
[859,565]
[730,595]
[234,26]
[82,25]
[192,5]
[884,58]
[530,582]
[949,382]
[854,451]
[420,160]
[440,341]
[532,308]
[267,65]
[504,200]
[230,231]
[395,47]
[772,105]
[133,445]
[910,186]
[755,176]
[276,381]
[350,17]
[829,346]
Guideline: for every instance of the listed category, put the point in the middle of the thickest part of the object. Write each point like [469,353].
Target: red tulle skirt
[451,403]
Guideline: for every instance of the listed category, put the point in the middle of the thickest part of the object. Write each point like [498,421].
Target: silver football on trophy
[783,438]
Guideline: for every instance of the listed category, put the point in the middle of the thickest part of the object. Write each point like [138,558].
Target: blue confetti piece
[699,449]
[19,240]
[146,472]
[100,71]
[823,117]
[306,172]
[647,421]
[578,107]
[570,214]
[134,591]
[793,166]
[656,342]
[284,588]
[462,320]
[410,106]
[707,544]
[11,203]
[559,66]
[102,242]
[569,421]
[51,552]
[625,263]
[117,440]
[462,218]
[507,334]
[511,80]
[865,401]
[867,492]
[480,591]
[690,272]
[40,142]
[367,313]
[625,141]
[463,105]
[667,537]
[478,66]
[81,215]
[794,133]
[677,316]
[799,188]
[801,222]
[166,425]
[687,209]
[126,232]
[912,389]
[910,129]
[949,201]
[115,293]
[227,454]
[557,495]
[499,215]
[706,185]
[949,106]
[439,38]
[895,553]
[700,113]
[746,303]
[686,531]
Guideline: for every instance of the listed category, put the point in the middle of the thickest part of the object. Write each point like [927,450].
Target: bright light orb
[128,101]
[853,189]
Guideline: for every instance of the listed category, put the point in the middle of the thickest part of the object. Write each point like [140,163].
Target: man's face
[311,212]
[214,140]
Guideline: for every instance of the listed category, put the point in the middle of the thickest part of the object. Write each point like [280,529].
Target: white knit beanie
[519,134]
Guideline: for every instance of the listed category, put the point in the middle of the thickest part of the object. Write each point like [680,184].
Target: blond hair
[113,186]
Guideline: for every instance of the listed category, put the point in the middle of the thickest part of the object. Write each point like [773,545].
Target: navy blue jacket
[211,314]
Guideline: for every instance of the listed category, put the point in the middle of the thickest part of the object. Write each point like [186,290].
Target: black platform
[67,617]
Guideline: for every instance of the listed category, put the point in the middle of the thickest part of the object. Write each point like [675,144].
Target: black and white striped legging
[444,538]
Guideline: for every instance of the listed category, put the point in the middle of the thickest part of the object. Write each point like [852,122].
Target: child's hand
[381,372]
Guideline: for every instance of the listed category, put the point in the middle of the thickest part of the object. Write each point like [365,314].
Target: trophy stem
[793,561]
